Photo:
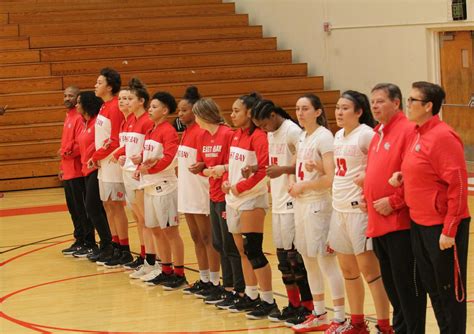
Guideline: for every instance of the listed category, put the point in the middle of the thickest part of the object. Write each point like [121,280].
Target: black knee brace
[284,266]
[297,265]
[253,249]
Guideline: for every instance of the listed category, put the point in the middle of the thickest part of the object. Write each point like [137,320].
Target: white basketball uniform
[193,190]
[281,148]
[312,208]
[349,223]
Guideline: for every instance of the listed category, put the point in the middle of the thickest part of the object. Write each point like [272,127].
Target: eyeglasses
[412,99]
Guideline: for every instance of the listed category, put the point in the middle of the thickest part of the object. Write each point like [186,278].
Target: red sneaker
[313,323]
[350,328]
[333,326]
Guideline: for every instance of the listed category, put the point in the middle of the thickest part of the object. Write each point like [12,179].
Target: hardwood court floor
[43,291]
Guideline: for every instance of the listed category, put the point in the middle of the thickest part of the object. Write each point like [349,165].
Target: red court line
[21,323]
[33,210]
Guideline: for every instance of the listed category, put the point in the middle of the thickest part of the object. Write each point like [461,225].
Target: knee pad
[253,249]
[297,265]
[284,266]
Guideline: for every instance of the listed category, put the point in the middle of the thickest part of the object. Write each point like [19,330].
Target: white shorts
[233,216]
[347,233]
[161,211]
[312,222]
[114,191]
[130,185]
[283,227]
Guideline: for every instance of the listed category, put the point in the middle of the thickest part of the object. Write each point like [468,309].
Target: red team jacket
[385,157]
[213,150]
[70,155]
[125,128]
[165,135]
[435,177]
[86,144]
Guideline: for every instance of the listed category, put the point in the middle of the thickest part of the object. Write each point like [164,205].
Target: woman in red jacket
[434,169]
[88,106]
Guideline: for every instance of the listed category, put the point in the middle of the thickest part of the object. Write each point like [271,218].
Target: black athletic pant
[95,209]
[75,192]
[223,242]
[402,281]
[436,269]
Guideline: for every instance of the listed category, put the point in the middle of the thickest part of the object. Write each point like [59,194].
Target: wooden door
[457,78]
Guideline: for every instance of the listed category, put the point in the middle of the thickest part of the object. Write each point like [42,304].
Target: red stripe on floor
[33,210]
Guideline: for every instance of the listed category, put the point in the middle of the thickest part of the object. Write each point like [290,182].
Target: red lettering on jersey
[341,167]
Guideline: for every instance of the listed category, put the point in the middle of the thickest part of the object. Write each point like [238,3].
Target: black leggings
[223,242]
[75,192]
[95,209]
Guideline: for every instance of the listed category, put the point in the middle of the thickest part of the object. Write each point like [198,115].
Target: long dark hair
[361,102]
[249,101]
[263,110]
[317,104]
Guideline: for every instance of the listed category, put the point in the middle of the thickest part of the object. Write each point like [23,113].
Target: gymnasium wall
[370,40]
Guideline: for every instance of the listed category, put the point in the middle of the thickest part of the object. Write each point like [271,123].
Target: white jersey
[281,148]
[350,157]
[193,190]
[309,148]
[109,171]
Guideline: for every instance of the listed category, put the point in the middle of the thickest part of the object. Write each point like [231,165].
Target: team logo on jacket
[289,205]
[88,130]
[417,147]
[386,146]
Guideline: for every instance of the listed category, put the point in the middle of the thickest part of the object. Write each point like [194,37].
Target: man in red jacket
[71,173]
[389,220]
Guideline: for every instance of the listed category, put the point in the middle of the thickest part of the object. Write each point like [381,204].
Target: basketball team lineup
[269,224]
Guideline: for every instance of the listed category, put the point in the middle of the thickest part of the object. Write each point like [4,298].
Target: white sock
[204,275]
[319,307]
[251,291]
[339,313]
[267,296]
[214,277]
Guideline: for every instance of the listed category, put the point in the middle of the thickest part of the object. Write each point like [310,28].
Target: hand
[60,175]
[91,164]
[136,159]
[359,179]
[445,242]
[274,171]
[225,187]
[106,143]
[246,171]
[314,166]
[149,163]
[197,167]
[112,159]
[143,169]
[383,207]
[121,160]
[234,191]
[396,180]
[136,175]
[295,189]
[217,171]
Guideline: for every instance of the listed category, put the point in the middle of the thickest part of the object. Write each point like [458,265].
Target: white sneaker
[152,274]
[312,323]
[145,269]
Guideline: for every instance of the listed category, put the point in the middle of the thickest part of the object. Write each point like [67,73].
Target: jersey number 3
[341,167]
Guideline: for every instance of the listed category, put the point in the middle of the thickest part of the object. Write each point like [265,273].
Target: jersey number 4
[341,167]
[300,171]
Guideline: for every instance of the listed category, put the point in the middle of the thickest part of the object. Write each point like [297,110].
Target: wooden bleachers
[48,45]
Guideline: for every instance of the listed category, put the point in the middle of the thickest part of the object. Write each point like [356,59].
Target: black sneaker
[94,255]
[105,255]
[218,295]
[286,313]
[132,265]
[263,310]
[84,252]
[72,249]
[118,261]
[113,262]
[229,301]
[192,289]
[207,290]
[244,304]
[301,314]
[162,278]
[175,282]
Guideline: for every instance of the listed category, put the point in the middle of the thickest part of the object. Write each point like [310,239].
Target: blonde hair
[208,110]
